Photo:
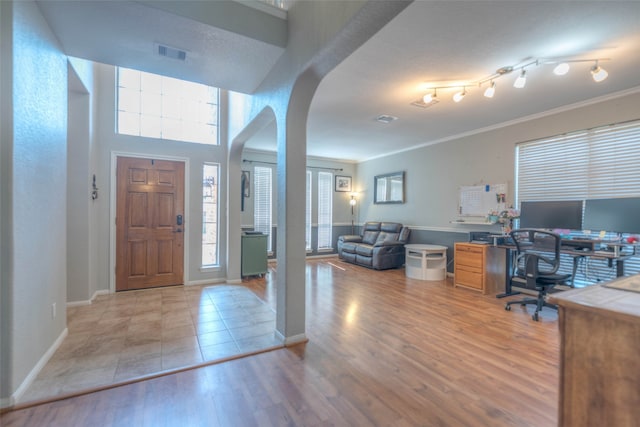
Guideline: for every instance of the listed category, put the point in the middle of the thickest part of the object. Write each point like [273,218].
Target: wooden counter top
[618,302]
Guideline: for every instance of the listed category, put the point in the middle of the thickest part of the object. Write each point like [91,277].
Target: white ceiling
[428,44]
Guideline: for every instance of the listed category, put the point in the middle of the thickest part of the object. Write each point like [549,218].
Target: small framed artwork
[343,183]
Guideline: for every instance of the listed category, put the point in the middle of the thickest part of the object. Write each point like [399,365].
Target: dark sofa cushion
[371,226]
[390,227]
[370,237]
[350,247]
[364,250]
[386,237]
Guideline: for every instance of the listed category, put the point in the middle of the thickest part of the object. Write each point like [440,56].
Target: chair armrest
[350,238]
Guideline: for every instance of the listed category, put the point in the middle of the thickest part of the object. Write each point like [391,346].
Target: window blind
[325,209]
[308,213]
[262,205]
[590,164]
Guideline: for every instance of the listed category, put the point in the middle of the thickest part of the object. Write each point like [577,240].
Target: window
[590,164]
[210,183]
[161,107]
[325,209]
[262,202]
[307,225]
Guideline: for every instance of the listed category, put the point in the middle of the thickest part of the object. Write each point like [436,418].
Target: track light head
[490,91]
[521,81]
[460,95]
[561,69]
[430,97]
[598,73]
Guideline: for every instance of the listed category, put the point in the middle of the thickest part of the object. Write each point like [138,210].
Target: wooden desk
[616,257]
[599,356]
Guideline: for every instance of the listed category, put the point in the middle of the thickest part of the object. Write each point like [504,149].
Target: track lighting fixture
[598,73]
[561,68]
[491,90]
[521,81]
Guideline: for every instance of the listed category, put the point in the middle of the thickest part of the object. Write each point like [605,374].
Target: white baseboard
[17,395]
[296,339]
[90,301]
[6,402]
[329,255]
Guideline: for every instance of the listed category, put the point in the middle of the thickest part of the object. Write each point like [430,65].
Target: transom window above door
[155,106]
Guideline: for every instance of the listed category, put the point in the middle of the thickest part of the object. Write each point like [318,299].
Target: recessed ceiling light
[384,118]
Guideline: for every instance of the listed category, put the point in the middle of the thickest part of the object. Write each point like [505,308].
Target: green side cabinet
[254,254]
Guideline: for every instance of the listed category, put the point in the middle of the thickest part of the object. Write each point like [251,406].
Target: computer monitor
[620,215]
[565,214]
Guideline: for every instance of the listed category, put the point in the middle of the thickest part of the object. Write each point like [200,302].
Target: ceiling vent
[385,119]
[171,52]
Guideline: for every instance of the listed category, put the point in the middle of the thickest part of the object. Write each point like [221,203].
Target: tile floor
[136,333]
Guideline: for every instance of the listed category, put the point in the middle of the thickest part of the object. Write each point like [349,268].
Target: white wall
[38,204]
[6,216]
[82,223]
[435,173]
[78,200]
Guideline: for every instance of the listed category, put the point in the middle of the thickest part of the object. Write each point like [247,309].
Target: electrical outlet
[53,310]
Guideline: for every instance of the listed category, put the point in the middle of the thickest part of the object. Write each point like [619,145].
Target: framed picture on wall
[343,183]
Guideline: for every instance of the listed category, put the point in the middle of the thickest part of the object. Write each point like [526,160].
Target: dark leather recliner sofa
[380,247]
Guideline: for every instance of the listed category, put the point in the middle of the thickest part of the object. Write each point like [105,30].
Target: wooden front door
[149,223]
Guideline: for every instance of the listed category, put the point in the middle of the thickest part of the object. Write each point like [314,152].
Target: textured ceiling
[434,43]
[228,44]
[233,46]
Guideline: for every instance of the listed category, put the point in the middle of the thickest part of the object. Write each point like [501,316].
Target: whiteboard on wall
[478,200]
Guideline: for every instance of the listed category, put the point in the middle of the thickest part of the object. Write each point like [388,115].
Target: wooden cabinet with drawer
[476,267]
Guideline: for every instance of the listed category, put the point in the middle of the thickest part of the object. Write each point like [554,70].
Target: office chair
[537,261]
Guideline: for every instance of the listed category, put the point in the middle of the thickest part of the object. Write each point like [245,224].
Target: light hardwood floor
[382,350]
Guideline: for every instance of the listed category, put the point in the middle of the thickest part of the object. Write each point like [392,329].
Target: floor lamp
[352,202]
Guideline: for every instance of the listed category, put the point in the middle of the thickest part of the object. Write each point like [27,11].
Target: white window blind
[591,164]
[325,209]
[308,213]
[262,202]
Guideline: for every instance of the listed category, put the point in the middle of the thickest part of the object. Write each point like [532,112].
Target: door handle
[179,220]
